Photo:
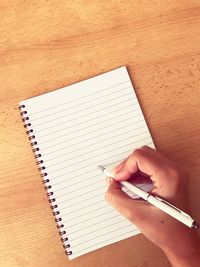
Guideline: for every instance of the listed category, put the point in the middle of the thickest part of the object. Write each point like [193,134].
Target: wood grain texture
[45,45]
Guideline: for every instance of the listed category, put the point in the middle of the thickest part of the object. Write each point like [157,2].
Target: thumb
[135,211]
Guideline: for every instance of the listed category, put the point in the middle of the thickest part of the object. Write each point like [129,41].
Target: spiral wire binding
[46,181]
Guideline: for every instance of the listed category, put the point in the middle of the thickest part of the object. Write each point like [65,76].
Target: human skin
[180,244]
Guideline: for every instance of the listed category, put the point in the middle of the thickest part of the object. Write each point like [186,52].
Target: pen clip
[174,207]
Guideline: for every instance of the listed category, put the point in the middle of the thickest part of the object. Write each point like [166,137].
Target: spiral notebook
[73,130]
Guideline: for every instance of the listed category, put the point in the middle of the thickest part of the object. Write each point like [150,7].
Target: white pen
[156,201]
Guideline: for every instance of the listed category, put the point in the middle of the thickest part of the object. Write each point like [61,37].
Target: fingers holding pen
[138,160]
[133,210]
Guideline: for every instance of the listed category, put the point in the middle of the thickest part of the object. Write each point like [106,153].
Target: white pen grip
[158,202]
[135,190]
[187,220]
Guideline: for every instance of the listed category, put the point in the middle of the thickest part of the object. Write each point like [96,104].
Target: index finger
[145,159]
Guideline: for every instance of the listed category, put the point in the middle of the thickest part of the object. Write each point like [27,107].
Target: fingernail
[109,180]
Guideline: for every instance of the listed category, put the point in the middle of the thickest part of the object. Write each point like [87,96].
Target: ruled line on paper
[78,214]
[88,133]
[88,165]
[77,195]
[72,178]
[90,107]
[95,163]
[82,201]
[67,180]
[80,183]
[66,167]
[77,98]
[85,170]
[88,210]
[80,195]
[127,124]
[94,224]
[93,144]
[94,217]
[92,125]
[91,171]
[98,229]
[87,136]
[77,188]
[67,121]
[86,109]
[89,183]
[98,126]
[79,156]
[106,233]
[92,209]
[96,244]
[85,140]
[96,155]
[92,195]
[66,214]
[60,209]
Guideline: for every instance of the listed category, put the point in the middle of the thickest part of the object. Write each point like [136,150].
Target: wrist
[185,253]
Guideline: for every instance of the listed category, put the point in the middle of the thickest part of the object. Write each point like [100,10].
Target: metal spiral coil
[43,174]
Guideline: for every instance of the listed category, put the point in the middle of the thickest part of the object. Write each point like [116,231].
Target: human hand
[170,183]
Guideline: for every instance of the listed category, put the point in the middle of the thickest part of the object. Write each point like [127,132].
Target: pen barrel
[171,210]
[136,190]
[159,203]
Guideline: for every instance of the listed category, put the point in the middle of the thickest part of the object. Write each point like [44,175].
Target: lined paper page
[95,122]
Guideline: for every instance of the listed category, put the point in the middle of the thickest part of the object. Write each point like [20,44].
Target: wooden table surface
[45,45]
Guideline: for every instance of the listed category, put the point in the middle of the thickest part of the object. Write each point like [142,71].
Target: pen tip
[101,168]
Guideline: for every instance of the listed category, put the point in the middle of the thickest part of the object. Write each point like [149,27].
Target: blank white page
[94,122]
